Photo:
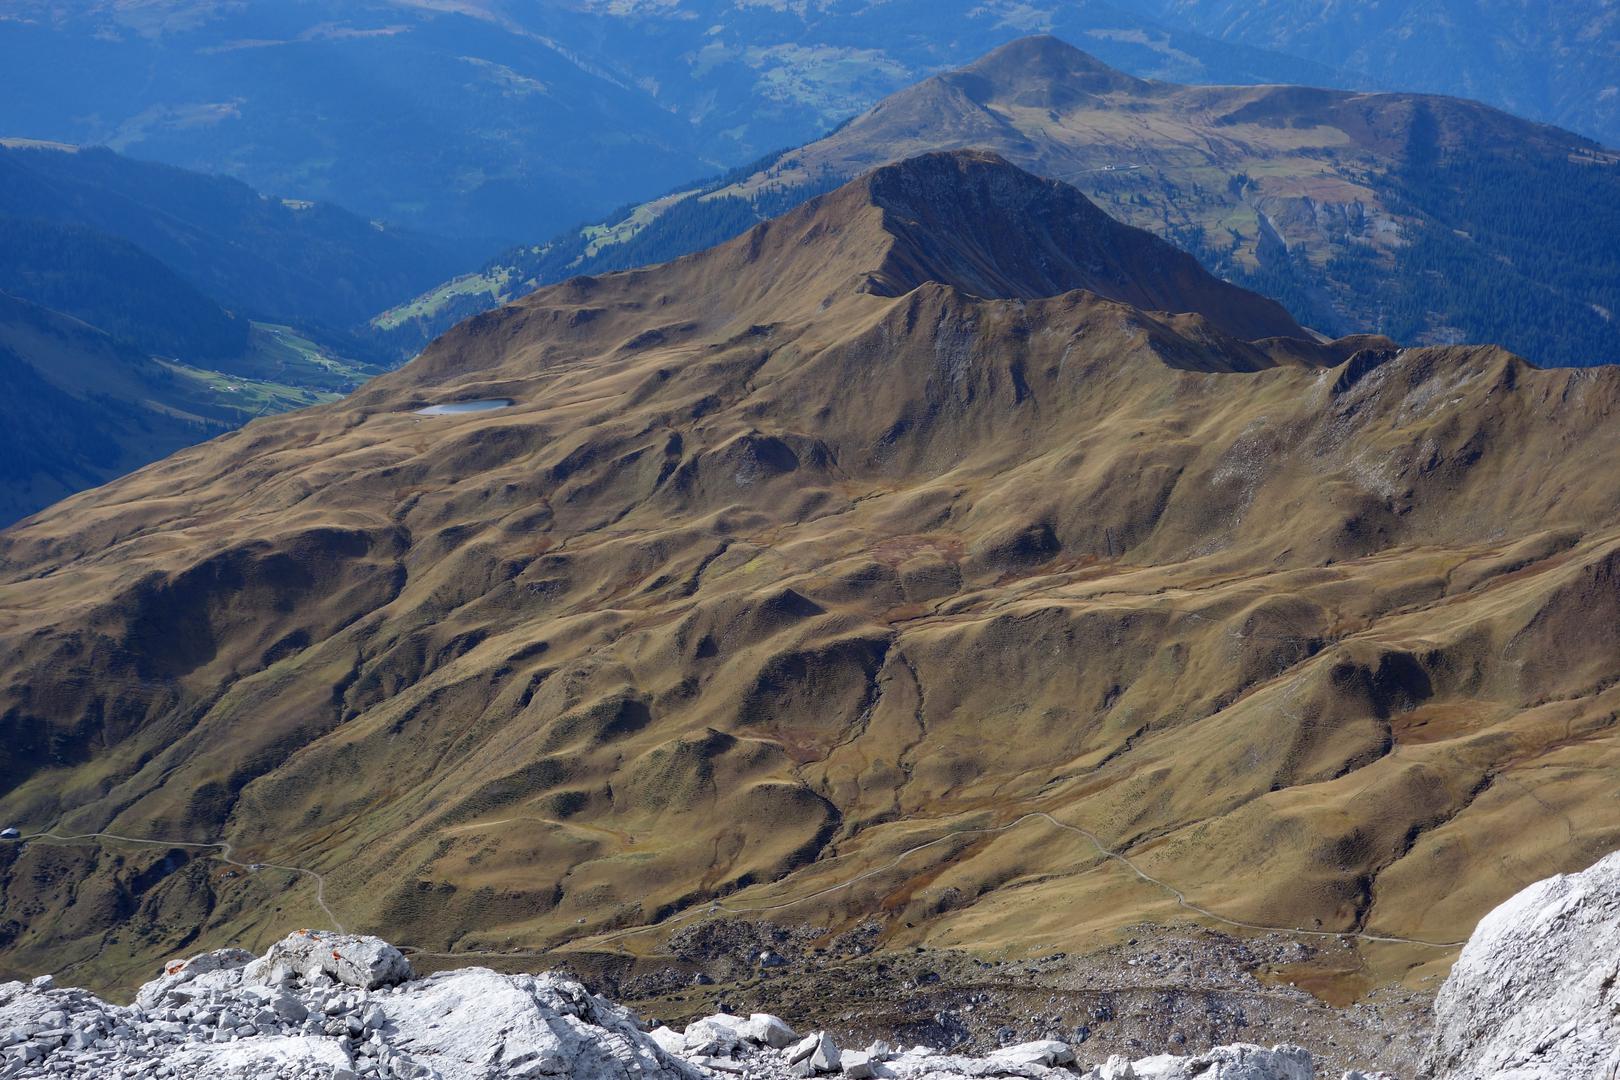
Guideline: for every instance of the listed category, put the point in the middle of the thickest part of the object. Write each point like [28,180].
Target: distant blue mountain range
[1554,60]
[512,120]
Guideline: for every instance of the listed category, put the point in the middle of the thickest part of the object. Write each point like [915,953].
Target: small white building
[9,834]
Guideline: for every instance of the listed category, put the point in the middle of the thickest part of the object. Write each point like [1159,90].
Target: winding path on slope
[224,854]
[1038,815]
[1102,850]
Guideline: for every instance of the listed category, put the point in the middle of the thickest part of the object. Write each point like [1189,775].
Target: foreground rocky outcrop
[322,1006]
[1536,992]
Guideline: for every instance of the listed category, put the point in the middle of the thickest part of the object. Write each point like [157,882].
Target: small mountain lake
[454,408]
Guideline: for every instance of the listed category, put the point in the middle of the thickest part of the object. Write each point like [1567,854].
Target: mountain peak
[972,220]
[965,219]
[1042,70]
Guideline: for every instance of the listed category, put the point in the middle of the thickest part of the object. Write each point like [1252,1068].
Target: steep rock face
[970,221]
[1535,994]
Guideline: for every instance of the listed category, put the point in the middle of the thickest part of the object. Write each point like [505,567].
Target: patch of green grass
[280,355]
[236,399]
[491,283]
[598,237]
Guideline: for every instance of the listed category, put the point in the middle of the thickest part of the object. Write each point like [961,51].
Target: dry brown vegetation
[890,521]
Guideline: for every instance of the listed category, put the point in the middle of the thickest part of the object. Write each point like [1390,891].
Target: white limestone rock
[880,1050]
[922,1063]
[205,1018]
[262,1059]
[1535,994]
[475,1024]
[1048,1052]
[859,1066]
[210,971]
[348,959]
[668,1039]
[1115,1068]
[802,1050]
[772,1031]
[826,1057]
[1532,998]
[716,1036]
[1239,1061]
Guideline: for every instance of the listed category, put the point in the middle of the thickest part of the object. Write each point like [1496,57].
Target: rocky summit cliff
[839,577]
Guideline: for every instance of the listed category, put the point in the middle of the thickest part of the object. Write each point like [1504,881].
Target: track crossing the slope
[224,854]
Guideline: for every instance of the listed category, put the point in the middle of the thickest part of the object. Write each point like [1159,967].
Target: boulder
[204,1018]
[1115,1068]
[209,971]
[802,1050]
[668,1039]
[476,1024]
[1048,1052]
[1535,994]
[826,1056]
[921,1063]
[716,1036]
[858,1066]
[1239,1061]
[772,1031]
[348,959]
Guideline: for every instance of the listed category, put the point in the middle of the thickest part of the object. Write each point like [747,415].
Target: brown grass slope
[802,552]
